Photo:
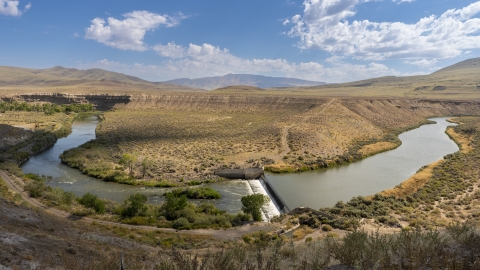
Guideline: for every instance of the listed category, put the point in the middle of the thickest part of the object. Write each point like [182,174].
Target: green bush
[35,189]
[135,205]
[142,221]
[172,205]
[181,224]
[327,228]
[196,193]
[92,201]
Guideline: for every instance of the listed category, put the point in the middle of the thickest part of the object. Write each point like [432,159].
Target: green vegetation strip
[47,108]
[196,193]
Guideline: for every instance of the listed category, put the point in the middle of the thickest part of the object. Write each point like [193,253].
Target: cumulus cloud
[324,26]
[194,61]
[128,34]
[10,8]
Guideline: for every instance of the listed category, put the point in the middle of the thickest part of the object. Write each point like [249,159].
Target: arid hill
[459,81]
[60,79]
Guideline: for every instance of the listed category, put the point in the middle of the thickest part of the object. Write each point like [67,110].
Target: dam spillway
[271,209]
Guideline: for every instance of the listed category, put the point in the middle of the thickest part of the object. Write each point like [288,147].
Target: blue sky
[323,40]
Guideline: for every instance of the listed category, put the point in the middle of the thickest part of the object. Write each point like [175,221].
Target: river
[83,130]
[314,189]
[325,187]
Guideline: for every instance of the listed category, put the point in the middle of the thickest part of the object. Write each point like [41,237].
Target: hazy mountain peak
[210,83]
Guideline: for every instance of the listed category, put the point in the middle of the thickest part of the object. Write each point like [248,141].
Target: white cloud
[324,26]
[402,1]
[10,8]
[424,63]
[128,34]
[170,50]
[194,61]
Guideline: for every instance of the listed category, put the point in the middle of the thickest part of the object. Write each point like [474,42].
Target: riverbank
[27,134]
[449,192]
[418,180]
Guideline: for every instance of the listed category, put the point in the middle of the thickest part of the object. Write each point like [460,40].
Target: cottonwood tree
[252,204]
[128,160]
[172,205]
[135,205]
[145,165]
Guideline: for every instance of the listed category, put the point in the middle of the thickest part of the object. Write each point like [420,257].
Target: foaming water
[270,210]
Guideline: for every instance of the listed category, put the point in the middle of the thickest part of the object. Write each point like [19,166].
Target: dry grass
[462,140]
[376,148]
[412,184]
[301,232]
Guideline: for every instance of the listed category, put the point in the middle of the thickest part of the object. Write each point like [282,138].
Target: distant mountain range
[91,79]
[458,81]
[210,83]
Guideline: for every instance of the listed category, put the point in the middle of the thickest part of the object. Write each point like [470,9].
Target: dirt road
[232,233]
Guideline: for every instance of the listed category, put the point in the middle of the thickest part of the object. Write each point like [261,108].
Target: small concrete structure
[247,174]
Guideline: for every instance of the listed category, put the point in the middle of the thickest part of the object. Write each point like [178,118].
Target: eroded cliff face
[222,103]
[373,109]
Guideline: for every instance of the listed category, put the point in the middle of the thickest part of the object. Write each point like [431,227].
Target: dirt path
[284,141]
[222,234]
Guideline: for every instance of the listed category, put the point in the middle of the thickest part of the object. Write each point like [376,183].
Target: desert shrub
[35,189]
[240,218]
[327,228]
[181,224]
[57,196]
[388,220]
[139,221]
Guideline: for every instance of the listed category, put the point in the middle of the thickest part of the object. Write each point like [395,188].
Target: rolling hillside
[90,81]
[210,83]
[458,81]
